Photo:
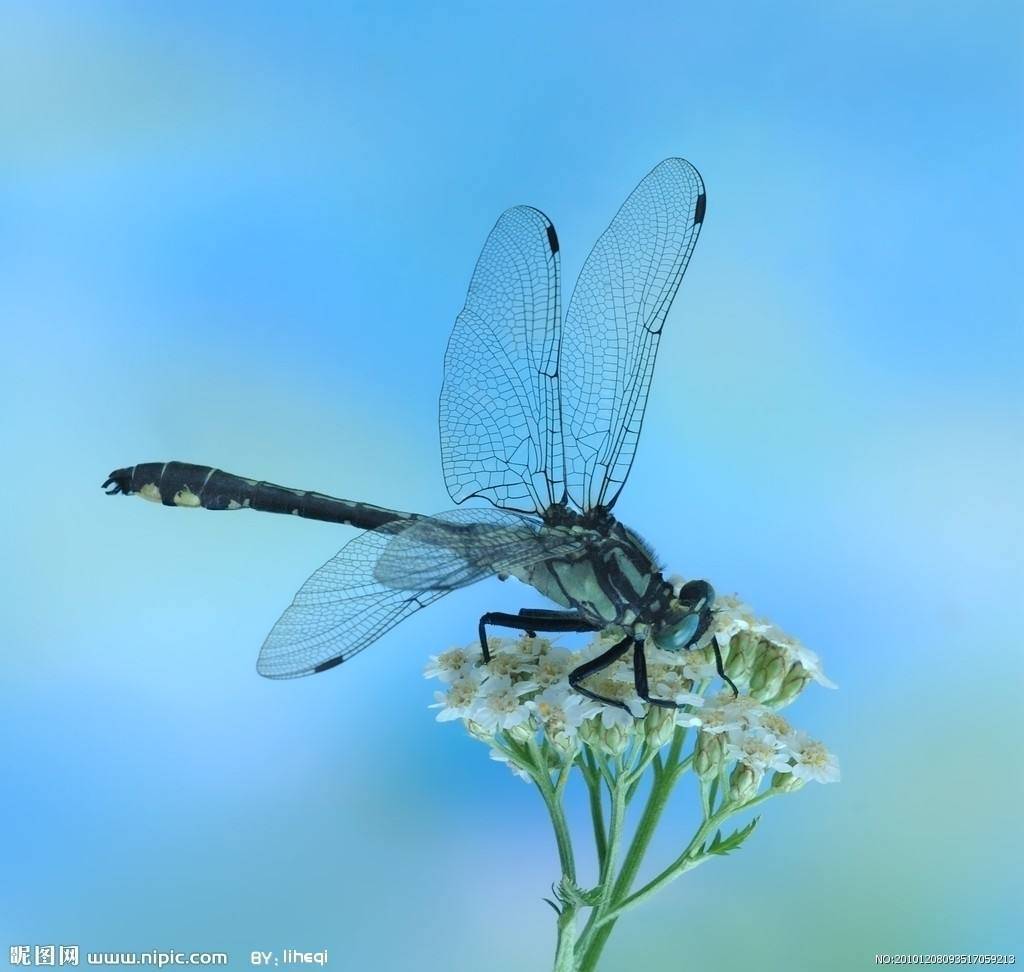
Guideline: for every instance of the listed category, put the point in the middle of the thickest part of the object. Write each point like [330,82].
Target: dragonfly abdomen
[188,485]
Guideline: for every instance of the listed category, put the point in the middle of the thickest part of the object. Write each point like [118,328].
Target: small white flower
[688,720]
[698,668]
[500,703]
[613,715]
[758,749]
[659,657]
[774,723]
[716,718]
[731,616]
[562,711]
[535,648]
[621,674]
[742,705]
[812,761]
[796,651]
[452,664]
[553,666]
[671,684]
[507,663]
[459,699]
[616,685]
[614,676]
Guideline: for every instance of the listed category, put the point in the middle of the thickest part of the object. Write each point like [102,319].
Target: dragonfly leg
[548,613]
[640,678]
[546,619]
[595,665]
[531,620]
[720,668]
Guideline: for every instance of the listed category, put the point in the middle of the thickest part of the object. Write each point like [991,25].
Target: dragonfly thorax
[610,577]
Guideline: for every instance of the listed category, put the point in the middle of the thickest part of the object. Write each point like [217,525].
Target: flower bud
[786,782]
[552,757]
[743,783]
[609,740]
[477,731]
[750,645]
[614,739]
[768,674]
[708,754]
[737,664]
[562,744]
[659,726]
[522,733]
[588,732]
[792,685]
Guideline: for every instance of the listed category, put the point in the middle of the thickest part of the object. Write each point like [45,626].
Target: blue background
[237,235]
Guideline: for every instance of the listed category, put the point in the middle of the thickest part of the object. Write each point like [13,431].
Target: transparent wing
[458,548]
[340,610]
[501,435]
[614,323]
[382,576]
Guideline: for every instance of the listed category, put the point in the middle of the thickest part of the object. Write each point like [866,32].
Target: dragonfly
[540,416]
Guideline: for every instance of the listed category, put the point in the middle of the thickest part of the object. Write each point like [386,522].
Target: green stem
[565,952]
[708,789]
[684,862]
[618,810]
[592,778]
[552,795]
[598,928]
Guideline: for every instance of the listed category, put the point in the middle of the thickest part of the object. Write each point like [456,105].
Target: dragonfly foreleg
[720,668]
[596,665]
[640,675]
[532,620]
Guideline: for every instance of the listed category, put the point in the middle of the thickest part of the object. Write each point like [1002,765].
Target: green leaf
[725,845]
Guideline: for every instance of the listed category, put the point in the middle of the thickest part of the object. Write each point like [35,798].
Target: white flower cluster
[760,641]
[758,739]
[523,695]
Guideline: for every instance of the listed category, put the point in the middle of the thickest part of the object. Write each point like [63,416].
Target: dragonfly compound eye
[678,635]
[697,595]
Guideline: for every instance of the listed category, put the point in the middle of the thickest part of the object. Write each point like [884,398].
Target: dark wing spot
[552,239]
[325,666]
[702,204]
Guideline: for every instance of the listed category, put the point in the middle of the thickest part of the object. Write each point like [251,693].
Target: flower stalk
[740,752]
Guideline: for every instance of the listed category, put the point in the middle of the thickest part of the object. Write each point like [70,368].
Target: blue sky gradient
[239,234]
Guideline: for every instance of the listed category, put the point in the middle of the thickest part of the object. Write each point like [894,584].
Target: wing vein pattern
[613,327]
[500,419]
[382,576]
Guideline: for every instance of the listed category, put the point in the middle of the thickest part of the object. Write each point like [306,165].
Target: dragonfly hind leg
[531,620]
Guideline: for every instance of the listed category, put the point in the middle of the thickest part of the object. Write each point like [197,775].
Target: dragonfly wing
[450,550]
[382,576]
[501,431]
[614,323]
[340,610]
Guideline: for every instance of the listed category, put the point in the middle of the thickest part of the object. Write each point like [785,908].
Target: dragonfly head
[687,617]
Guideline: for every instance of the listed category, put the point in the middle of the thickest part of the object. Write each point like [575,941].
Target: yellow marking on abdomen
[185,497]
